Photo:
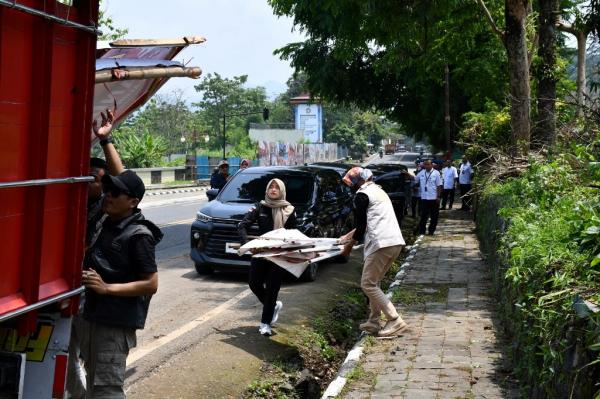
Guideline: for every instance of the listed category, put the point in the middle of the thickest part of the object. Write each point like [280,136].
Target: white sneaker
[265,330]
[278,306]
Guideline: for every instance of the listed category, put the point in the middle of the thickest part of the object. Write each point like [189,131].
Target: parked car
[397,186]
[339,167]
[379,169]
[323,208]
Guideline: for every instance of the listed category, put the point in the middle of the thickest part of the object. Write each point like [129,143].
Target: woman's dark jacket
[263,216]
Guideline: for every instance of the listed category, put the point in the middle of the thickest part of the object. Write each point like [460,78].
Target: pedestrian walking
[449,179]
[464,180]
[430,186]
[274,212]
[377,227]
[120,277]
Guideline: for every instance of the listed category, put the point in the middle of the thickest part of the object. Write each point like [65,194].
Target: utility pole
[224,136]
[447,109]
[265,113]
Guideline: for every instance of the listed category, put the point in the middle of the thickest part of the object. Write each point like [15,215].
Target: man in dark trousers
[120,277]
[430,187]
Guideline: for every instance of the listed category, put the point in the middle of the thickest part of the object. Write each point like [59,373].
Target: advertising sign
[309,118]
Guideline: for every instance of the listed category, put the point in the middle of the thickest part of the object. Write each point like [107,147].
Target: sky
[241,36]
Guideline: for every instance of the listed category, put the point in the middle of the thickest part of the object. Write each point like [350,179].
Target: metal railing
[47,182]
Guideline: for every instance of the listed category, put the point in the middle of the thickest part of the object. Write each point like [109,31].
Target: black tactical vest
[110,256]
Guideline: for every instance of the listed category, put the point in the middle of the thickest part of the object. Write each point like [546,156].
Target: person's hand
[92,280]
[106,125]
[346,250]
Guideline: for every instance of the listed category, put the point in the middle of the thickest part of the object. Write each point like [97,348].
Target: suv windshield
[251,187]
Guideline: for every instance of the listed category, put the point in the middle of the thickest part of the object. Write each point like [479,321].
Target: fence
[270,153]
[205,165]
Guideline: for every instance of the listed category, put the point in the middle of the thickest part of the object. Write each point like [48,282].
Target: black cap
[127,181]
[98,163]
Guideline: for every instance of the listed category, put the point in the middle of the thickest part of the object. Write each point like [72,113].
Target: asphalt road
[405,158]
[201,338]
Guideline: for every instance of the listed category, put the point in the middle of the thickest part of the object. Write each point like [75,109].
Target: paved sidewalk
[453,349]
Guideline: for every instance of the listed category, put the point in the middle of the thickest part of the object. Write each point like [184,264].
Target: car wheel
[310,274]
[203,269]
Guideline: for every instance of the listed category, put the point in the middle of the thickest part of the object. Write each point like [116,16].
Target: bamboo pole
[136,73]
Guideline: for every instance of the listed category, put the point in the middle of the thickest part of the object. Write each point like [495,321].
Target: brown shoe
[370,327]
[393,328]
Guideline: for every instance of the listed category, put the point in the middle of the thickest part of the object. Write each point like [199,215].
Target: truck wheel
[203,269]
[310,274]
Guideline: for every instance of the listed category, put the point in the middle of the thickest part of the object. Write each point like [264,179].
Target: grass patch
[411,295]
[275,382]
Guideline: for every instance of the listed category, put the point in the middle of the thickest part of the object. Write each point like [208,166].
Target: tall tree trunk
[581,33]
[546,121]
[581,79]
[515,14]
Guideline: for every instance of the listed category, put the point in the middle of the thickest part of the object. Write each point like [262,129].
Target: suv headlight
[202,217]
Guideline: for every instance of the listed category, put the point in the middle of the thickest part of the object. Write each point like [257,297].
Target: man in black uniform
[120,277]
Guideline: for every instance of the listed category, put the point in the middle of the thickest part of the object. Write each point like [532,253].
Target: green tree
[169,117]
[224,96]
[106,25]
[391,56]
[139,149]
[354,141]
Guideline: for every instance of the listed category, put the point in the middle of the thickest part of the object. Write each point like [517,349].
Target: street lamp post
[265,113]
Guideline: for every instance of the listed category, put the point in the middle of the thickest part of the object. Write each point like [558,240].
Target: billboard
[309,118]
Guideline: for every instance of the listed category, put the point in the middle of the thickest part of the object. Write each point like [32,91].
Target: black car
[339,167]
[323,208]
[379,169]
[397,185]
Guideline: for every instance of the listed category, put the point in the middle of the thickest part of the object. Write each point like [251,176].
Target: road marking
[178,222]
[142,351]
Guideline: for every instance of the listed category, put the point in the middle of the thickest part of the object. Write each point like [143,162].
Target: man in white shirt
[449,177]
[430,186]
[464,180]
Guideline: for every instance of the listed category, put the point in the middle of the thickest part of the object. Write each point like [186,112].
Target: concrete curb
[352,360]
[176,191]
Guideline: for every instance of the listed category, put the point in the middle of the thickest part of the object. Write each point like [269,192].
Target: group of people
[120,271]
[221,175]
[434,190]
[375,225]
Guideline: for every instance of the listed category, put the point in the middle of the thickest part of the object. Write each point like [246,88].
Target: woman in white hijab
[274,212]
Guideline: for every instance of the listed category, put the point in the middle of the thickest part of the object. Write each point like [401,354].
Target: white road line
[142,351]
[185,221]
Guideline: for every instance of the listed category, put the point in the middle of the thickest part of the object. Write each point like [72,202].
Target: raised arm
[103,132]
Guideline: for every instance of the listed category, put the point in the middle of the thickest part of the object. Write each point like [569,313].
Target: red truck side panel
[46,92]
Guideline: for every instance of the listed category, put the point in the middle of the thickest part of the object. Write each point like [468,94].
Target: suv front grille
[215,243]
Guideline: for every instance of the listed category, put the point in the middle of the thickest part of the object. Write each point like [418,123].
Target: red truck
[49,66]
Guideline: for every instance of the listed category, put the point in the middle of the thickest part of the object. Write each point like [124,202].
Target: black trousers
[447,194]
[465,193]
[414,205]
[429,209]
[265,281]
